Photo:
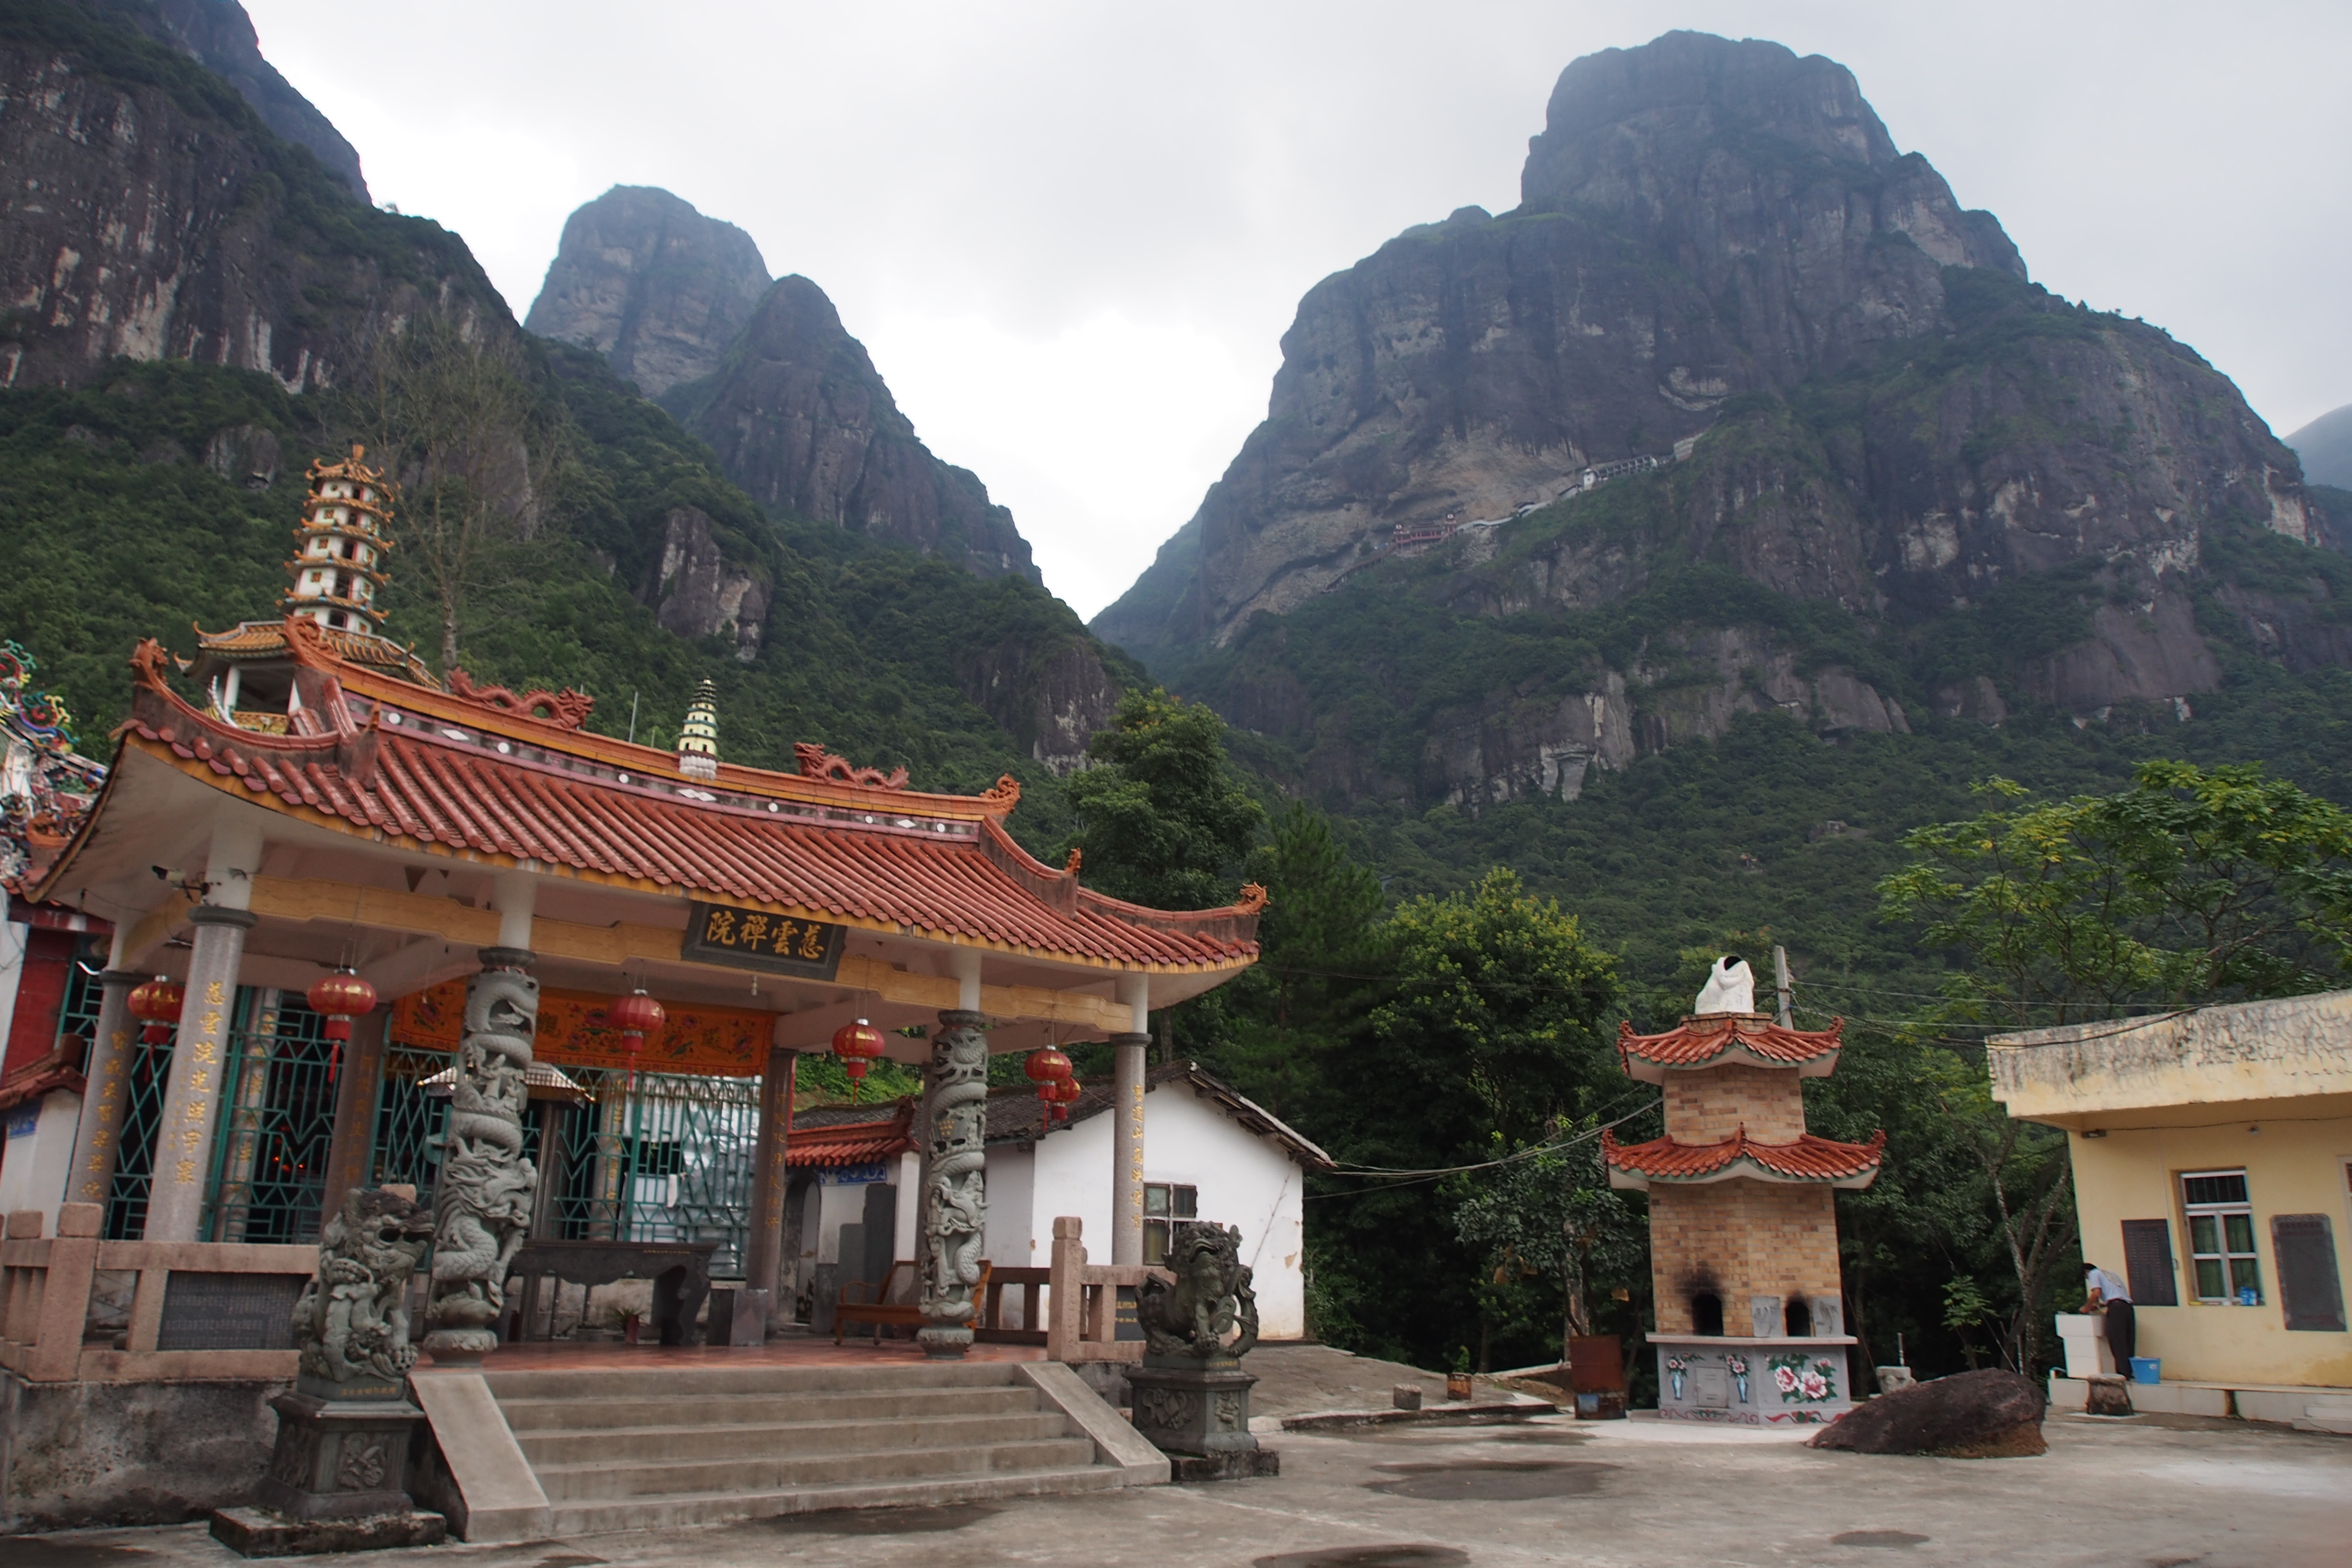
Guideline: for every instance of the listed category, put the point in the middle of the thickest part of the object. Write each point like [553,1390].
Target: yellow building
[2212,1155]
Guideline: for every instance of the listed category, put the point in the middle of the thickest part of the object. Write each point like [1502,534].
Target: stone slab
[491,1492]
[256,1533]
[1116,1442]
[1232,1465]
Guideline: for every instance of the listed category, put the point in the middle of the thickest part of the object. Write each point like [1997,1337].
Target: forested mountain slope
[216,328]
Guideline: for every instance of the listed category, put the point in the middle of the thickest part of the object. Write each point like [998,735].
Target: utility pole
[1780,976]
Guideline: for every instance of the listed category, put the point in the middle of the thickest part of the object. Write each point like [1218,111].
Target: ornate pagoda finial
[337,569]
[697,738]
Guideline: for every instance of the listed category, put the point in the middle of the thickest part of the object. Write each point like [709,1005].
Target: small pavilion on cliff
[1743,1218]
[303,798]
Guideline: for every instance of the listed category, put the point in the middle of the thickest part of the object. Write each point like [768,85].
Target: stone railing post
[65,1294]
[1066,1312]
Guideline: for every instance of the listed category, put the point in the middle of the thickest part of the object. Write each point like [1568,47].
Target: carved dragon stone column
[482,1201]
[955,1191]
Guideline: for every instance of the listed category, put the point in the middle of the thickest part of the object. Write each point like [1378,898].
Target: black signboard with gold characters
[755,939]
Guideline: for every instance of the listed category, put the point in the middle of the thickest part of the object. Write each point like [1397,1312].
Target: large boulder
[1988,1414]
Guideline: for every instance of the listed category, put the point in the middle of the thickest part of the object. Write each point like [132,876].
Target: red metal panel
[40,997]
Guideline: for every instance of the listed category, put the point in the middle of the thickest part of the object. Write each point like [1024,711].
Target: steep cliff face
[219,36]
[1704,222]
[698,593]
[798,416]
[150,212]
[652,285]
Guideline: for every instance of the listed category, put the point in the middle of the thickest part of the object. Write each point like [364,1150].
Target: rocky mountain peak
[1684,89]
[652,284]
[1798,361]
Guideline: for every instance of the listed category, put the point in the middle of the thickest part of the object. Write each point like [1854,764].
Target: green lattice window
[277,1122]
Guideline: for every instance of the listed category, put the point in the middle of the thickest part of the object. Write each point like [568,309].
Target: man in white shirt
[2103,1289]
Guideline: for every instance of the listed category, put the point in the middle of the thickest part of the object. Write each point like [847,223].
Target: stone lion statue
[1210,1311]
[351,1322]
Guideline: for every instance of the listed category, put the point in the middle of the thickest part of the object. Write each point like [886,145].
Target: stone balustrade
[196,1310]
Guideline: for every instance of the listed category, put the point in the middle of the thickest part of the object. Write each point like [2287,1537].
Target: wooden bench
[879,1310]
[1029,1282]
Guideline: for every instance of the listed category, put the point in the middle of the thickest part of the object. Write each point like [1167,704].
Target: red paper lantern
[1047,1065]
[857,1045]
[340,996]
[1065,1094]
[635,1016]
[156,1003]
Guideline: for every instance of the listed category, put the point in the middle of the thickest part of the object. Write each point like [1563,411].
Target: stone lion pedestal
[1191,1395]
[337,1477]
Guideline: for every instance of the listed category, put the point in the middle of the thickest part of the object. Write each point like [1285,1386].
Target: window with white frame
[2221,1237]
[1164,1205]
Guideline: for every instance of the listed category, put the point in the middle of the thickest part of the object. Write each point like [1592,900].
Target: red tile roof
[939,863]
[851,1143]
[1808,1159]
[1711,1039]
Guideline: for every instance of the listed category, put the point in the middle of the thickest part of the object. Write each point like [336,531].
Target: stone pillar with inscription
[955,1184]
[1126,1148]
[763,1248]
[357,1081]
[192,1095]
[99,1135]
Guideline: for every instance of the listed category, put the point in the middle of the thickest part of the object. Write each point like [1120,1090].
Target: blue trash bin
[2147,1369]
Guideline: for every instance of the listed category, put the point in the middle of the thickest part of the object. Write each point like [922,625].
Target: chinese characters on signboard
[754,939]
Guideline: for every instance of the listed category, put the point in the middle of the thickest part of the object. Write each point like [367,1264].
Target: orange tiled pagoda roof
[1716,1039]
[514,780]
[1808,1160]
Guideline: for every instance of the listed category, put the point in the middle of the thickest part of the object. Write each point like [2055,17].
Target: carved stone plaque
[229,1311]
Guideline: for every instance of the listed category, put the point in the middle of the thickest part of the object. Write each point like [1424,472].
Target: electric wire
[1395,1178]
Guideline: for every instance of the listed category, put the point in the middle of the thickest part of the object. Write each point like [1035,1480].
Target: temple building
[341,925]
[1743,1218]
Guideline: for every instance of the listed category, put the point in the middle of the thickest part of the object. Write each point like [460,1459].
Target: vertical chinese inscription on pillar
[955,1197]
[100,1163]
[196,1111]
[1135,1155]
[482,1201]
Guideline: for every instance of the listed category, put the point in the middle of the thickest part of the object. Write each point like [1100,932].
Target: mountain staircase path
[643,1448]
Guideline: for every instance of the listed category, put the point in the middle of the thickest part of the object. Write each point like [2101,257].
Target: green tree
[1488,1026]
[452,413]
[1162,820]
[1282,1023]
[2194,885]
[1548,1213]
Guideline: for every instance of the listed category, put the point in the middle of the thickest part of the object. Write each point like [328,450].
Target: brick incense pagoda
[1743,1219]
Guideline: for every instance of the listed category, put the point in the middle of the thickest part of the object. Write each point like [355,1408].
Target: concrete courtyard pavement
[2152,1492]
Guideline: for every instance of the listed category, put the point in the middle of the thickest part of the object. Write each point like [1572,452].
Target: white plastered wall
[1243,1181]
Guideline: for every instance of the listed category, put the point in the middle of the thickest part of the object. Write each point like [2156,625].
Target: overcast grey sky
[1073,234]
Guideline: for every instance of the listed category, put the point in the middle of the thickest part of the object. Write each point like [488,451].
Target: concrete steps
[632,1449]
